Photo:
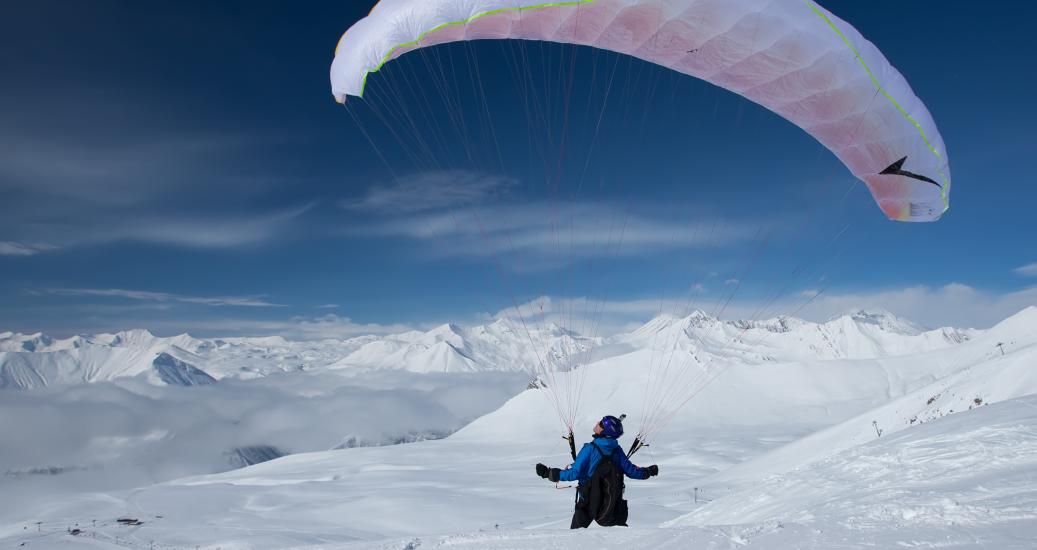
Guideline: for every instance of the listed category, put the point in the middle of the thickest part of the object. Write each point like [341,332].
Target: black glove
[652,470]
[550,474]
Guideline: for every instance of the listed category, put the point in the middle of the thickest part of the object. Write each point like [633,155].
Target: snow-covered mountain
[36,360]
[932,448]
[865,334]
[501,346]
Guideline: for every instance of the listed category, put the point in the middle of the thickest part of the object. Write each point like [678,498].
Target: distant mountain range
[32,361]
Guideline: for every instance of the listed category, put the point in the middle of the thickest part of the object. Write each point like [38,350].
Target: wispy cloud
[223,231]
[164,297]
[1030,270]
[432,191]
[477,215]
[954,304]
[549,305]
[183,229]
[10,248]
[295,328]
[155,183]
[594,316]
[333,326]
[328,306]
[121,169]
[539,235]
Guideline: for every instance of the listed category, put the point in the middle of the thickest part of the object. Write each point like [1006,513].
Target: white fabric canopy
[791,56]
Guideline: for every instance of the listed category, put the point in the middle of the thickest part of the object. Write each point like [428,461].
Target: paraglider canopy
[791,56]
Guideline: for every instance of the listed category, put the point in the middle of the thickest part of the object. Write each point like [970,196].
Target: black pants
[581,519]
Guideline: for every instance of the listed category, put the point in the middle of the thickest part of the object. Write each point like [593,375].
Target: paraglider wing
[791,56]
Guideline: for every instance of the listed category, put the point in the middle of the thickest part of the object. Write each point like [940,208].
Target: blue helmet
[611,427]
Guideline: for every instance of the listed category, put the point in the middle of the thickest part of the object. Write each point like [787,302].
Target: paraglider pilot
[599,469]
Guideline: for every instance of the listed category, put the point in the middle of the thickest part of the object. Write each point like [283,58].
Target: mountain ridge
[30,361]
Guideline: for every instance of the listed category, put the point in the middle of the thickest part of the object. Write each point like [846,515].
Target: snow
[502,345]
[108,436]
[856,335]
[863,431]
[36,360]
[976,469]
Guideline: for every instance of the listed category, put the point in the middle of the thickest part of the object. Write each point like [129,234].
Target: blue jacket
[588,458]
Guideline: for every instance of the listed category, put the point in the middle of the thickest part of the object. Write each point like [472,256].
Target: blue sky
[182,167]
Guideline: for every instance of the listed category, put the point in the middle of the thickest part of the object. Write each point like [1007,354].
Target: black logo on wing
[897,168]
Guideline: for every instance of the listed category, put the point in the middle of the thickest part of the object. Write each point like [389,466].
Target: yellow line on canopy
[878,86]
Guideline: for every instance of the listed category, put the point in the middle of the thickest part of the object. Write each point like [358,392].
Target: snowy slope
[974,469]
[783,446]
[973,374]
[965,481]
